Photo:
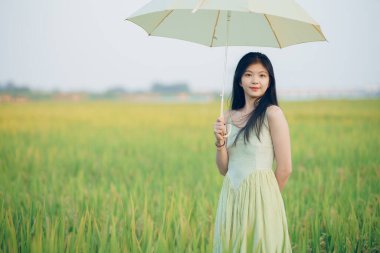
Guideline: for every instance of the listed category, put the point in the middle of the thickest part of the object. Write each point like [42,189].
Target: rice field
[112,176]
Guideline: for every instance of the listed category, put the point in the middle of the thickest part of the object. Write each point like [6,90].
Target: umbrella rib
[316,28]
[199,5]
[159,23]
[272,30]
[216,22]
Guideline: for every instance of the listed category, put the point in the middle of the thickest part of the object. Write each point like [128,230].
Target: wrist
[220,144]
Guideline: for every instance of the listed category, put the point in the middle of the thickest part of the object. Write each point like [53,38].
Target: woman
[250,216]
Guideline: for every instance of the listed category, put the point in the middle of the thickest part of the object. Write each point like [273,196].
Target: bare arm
[222,154]
[281,142]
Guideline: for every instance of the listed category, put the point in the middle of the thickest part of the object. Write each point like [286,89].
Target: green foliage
[122,177]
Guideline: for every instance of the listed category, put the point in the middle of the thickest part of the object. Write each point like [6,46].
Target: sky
[87,45]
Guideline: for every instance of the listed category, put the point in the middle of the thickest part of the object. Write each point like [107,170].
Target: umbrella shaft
[225,62]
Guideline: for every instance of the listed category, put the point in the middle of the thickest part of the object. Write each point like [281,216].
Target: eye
[247,74]
[263,75]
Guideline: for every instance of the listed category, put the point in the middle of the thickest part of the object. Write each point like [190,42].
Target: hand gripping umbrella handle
[228,125]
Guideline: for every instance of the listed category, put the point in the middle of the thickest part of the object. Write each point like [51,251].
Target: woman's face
[255,80]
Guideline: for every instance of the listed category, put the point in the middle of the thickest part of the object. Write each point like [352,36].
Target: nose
[255,80]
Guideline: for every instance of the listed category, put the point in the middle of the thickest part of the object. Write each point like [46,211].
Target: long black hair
[256,117]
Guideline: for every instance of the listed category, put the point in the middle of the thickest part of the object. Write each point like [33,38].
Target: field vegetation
[111,176]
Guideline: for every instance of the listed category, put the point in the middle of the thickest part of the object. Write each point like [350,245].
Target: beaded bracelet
[221,146]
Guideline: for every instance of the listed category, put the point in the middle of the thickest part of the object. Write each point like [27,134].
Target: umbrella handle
[228,127]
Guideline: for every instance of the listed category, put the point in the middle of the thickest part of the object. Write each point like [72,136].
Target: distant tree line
[170,89]
[9,88]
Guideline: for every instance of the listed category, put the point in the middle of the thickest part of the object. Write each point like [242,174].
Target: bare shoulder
[275,115]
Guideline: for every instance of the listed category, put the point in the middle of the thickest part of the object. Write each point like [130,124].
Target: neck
[249,105]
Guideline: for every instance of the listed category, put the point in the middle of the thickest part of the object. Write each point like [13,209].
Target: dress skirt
[251,218]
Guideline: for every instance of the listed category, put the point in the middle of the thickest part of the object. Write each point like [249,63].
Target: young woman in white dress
[250,199]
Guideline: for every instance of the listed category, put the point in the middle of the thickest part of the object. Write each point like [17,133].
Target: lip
[254,88]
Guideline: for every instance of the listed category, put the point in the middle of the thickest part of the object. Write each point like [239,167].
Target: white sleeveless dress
[250,215]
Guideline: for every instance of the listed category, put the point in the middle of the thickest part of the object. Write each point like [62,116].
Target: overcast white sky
[88,45]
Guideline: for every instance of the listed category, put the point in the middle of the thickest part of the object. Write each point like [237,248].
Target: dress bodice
[243,159]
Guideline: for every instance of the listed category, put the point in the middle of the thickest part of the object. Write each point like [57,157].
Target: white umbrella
[215,23]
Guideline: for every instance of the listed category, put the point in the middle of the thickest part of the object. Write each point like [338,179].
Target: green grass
[122,177]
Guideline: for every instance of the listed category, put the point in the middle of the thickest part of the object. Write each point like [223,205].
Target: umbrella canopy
[214,23]
[266,23]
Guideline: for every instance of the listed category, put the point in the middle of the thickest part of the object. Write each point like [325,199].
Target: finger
[223,128]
